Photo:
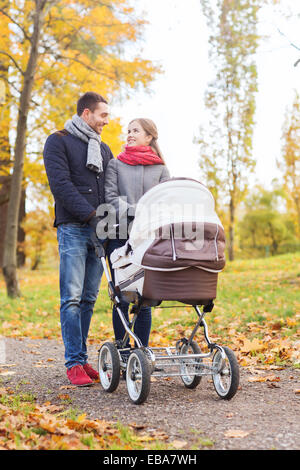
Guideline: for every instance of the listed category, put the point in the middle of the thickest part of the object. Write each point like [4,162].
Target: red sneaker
[78,376]
[92,373]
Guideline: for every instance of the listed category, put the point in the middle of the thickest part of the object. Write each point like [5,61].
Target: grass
[36,312]
[25,425]
[257,313]
[255,298]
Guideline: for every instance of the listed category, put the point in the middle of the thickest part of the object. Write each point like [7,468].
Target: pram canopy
[176,246]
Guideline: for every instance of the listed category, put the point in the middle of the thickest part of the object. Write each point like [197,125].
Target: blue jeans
[142,325]
[80,275]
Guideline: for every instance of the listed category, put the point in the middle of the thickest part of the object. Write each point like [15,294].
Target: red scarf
[140,155]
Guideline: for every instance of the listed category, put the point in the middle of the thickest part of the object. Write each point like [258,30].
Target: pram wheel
[226,375]
[138,376]
[109,367]
[189,366]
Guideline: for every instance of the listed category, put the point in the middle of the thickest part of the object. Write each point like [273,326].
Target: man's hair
[89,100]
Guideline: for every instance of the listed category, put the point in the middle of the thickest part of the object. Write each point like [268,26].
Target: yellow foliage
[39,235]
[112,135]
[82,48]
[4,99]
[290,162]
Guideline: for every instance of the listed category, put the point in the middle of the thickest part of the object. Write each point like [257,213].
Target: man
[75,160]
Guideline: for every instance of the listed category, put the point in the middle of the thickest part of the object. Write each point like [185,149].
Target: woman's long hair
[150,129]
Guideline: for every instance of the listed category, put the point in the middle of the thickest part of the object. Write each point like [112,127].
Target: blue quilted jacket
[77,190]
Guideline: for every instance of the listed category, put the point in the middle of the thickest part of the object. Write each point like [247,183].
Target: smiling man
[75,160]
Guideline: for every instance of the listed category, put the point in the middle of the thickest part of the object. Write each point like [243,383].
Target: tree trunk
[11,233]
[21,257]
[4,194]
[297,203]
[5,152]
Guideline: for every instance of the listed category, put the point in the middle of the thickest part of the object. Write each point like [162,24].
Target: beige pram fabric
[176,246]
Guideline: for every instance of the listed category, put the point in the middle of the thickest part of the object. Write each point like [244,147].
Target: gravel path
[264,415]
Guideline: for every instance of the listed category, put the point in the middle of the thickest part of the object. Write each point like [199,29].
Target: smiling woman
[143,132]
[128,177]
[137,135]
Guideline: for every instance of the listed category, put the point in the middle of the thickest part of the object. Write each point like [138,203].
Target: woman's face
[136,135]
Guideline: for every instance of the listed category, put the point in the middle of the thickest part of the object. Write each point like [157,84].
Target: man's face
[97,119]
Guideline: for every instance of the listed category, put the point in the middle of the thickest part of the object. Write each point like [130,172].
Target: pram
[175,252]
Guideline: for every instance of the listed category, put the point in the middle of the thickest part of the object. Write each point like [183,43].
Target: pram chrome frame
[168,361]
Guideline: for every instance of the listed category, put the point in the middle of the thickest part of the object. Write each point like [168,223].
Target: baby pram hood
[175,228]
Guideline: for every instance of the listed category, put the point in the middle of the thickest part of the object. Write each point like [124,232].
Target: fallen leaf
[254,345]
[134,425]
[272,385]
[256,379]
[144,438]
[81,417]
[276,326]
[272,378]
[178,444]
[266,378]
[63,396]
[297,391]
[236,433]
[47,406]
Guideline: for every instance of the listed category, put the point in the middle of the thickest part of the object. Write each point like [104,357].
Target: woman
[127,178]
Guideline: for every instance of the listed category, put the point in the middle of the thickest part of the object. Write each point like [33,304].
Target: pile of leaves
[26,425]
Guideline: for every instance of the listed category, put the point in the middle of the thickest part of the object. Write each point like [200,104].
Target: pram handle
[117,303]
[99,245]
[109,281]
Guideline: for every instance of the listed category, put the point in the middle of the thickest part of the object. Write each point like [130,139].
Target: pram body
[175,251]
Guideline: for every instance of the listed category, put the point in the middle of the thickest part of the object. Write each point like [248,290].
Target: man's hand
[100,245]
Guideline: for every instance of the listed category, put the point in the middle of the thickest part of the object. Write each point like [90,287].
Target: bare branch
[292,44]
[88,67]
[16,23]
[13,60]
[11,84]
[296,63]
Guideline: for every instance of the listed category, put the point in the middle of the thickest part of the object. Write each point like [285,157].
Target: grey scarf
[78,127]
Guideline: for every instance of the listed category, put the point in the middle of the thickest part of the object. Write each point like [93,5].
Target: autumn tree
[40,235]
[265,226]
[58,50]
[5,158]
[226,139]
[290,160]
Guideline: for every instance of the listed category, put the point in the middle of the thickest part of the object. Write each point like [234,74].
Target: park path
[264,414]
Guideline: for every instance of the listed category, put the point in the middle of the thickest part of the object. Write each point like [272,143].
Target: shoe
[92,373]
[78,376]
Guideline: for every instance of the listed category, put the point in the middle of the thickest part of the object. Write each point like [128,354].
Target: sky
[176,39]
